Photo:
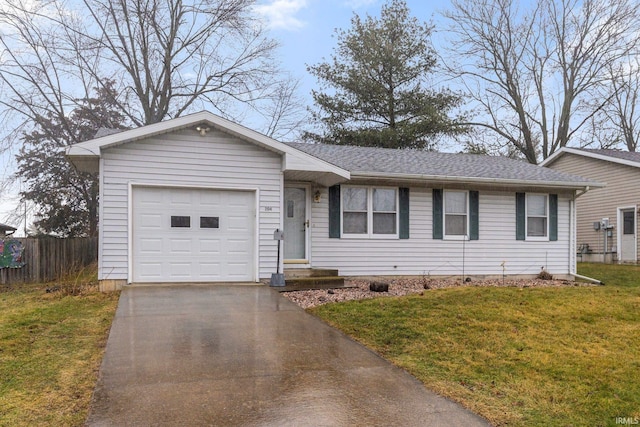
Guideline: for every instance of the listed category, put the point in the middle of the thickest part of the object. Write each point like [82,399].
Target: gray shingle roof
[414,162]
[618,154]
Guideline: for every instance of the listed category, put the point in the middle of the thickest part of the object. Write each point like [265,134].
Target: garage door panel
[210,271]
[180,246]
[182,254]
[237,270]
[150,271]
[238,247]
[151,246]
[180,198]
[237,223]
[210,246]
[153,196]
[151,221]
[210,199]
[180,271]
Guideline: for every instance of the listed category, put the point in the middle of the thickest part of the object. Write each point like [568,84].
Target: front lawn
[518,357]
[51,346]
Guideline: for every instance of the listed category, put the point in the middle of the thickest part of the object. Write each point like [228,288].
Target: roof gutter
[466,180]
[581,192]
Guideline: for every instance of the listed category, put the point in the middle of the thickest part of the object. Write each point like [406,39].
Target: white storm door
[295,223]
[628,236]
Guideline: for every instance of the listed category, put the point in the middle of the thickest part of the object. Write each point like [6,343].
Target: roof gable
[85,155]
[614,156]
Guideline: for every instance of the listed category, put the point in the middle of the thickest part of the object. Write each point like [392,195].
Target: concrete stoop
[311,278]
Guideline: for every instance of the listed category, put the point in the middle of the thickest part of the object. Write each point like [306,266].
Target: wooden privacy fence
[47,259]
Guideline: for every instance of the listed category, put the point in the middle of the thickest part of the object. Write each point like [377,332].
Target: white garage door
[193,235]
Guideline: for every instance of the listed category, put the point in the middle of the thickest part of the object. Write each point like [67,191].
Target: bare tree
[286,115]
[168,57]
[618,123]
[534,73]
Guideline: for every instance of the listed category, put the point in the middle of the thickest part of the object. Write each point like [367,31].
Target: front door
[628,237]
[295,224]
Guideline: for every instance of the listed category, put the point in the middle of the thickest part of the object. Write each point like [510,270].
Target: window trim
[544,238]
[467,215]
[370,234]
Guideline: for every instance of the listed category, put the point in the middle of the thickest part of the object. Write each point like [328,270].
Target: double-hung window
[369,212]
[455,213]
[536,217]
[355,202]
[537,214]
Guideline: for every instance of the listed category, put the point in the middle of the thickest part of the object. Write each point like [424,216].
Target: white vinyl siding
[186,159]
[423,255]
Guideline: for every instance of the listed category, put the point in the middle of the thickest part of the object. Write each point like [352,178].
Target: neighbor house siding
[186,159]
[423,255]
[622,190]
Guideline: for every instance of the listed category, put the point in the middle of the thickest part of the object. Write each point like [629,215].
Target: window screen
[355,211]
[384,211]
[455,219]
[536,215]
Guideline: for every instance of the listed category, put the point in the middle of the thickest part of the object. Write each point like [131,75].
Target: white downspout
[573,226]
[573,267]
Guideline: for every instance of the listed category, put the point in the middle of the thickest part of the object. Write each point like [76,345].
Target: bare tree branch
[540,73]
[168,57]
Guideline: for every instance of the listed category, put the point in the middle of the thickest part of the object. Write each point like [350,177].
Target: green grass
[519,357]
[51,346]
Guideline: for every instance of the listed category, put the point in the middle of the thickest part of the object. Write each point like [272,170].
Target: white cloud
[357,4]
[280,14]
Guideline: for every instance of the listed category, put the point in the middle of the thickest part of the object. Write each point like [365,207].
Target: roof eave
[568,185]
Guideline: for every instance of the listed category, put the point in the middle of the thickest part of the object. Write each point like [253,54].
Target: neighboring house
[617,203]
[6,230]
[198,199]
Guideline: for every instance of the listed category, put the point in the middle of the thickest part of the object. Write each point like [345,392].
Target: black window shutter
[334,212]
[553,217]
[403,197]
[474,215]
[437,213]
[520,216]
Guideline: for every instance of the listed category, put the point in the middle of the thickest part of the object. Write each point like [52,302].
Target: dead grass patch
[52,338]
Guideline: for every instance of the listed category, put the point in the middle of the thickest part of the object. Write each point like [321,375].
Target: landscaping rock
[378,287]
[359,288]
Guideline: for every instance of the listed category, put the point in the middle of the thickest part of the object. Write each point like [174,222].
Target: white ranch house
[198,198]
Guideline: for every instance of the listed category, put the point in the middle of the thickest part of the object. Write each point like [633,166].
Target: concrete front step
[294,273]
[308,283]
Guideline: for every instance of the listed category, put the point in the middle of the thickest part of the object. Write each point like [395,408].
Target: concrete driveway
[242,355]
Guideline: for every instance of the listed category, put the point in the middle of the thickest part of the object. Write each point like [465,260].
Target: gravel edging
[359,288]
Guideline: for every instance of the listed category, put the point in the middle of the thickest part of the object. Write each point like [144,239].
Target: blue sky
[305,30]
